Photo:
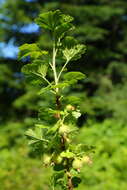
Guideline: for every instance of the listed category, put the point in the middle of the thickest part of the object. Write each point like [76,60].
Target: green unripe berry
[69,107]
[68,141]
[87,160]
[54,158]
[46,159]
[77,164]
[59,159]
[63,129]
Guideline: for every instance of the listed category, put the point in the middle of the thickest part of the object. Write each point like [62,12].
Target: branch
[62,69]
[54,66]
[42,77]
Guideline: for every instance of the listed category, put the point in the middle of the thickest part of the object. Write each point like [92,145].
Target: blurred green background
[102,26]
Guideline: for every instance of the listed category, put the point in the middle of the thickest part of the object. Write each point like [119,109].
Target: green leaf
[32,142]
[45,89]
[42,69]
[73,99]
[74,172]
[58,167]
[76,181]
[69,42]
[67,154]
[76,75]
[41,61]
[61,85]
[56,22]
[62,29]
[83,148]
[35,135]
[57,177]
[31,50]
[29,68]
[54,128]
[33,80]
[36,70]
[49,20]
[53,112]
[73,77]
[74,53]
[42,126]
[67,18]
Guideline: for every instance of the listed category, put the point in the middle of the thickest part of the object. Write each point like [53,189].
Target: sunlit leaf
[42,69]
[61,29]
[74,52]
[61,85]
[73,77]
[35,135]
[67,154]
[49,20]
[31,50]
[29,68]
[54,128]
[56,22]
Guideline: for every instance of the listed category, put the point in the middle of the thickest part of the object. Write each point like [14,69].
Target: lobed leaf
[36,69]
[45,89]
[62,29]
[53,129]
[73,77]
[49,20]
[42,69]
[74,53]
[31,50]
[35,135]
[58,177]
[29,68]
[69,42]
[76,75]
[56,22]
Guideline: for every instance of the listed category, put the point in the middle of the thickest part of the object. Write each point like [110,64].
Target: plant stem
[46,80]
[58,105]
[69,178]
[70,184]
[42,77]
[54,66]
[62,69]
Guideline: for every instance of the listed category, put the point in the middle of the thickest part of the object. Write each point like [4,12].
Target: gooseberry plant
[56,141]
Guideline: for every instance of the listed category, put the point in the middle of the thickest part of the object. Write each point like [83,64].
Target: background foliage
[102,26]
